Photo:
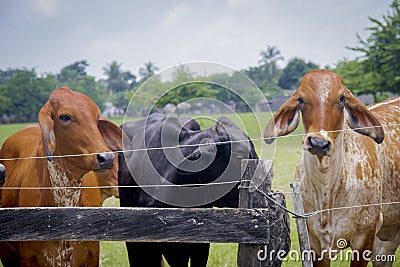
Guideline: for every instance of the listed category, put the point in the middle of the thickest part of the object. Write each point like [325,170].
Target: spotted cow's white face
[322,100]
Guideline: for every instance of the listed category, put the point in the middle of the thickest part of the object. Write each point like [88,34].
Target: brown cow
[69,124]
[340,167]
[107,179]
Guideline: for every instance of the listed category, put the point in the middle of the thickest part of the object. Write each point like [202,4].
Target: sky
[50,34]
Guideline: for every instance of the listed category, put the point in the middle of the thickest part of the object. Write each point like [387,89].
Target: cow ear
[47,127]
[285,121]
[361,120]
[221,129]
[111,133]
[173,130]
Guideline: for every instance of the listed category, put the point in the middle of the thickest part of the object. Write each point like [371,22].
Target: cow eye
[342,99]
[300,101]
[65,118]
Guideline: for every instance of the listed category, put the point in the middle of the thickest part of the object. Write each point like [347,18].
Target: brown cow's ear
[47,126]
[111,133]
[285,121]
[361,120]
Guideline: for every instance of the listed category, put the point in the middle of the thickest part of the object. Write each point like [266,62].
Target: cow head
[71,124]
[322,100]
[213,149]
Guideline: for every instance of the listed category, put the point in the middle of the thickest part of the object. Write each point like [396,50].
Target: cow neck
[60,178]
[63,254]
[321,176]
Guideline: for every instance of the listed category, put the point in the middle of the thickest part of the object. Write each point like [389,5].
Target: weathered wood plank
[135,224]
[259,172]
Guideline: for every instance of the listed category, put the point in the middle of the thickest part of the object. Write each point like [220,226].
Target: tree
[120,100]
[184,87]
[5,75]
[117,79]
[144,97]
[75,77]
[185,92]
[222,83]
[25,94]
[294,71]
[380,60]
[113,71]
[268,61]
[270,56]
[257,75]
[267,74]
[359,81]
[5,102]
[147,71]
[79,67]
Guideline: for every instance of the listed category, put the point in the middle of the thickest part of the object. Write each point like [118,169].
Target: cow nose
[3,173]
[318,146]
[106,160]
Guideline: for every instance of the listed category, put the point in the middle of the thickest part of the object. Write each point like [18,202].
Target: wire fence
[198,145]
[252,185]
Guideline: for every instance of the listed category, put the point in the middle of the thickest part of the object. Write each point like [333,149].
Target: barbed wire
[199,145]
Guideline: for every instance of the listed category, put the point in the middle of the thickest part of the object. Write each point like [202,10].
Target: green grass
[7,129]
[285,160]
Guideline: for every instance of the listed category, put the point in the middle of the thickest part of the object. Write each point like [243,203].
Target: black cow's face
[218,150]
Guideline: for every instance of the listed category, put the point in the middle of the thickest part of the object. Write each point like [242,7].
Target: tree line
[376,71]
[24,91]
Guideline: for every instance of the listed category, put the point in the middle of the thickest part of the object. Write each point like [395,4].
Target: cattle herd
[350,163]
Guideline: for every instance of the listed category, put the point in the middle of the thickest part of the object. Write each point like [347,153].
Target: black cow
[191,163]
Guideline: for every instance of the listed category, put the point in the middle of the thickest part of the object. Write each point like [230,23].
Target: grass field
[285,158]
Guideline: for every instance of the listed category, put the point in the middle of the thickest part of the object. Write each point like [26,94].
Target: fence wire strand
[198,145]
[269,196]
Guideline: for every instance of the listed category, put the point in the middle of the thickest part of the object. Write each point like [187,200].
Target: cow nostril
[101,158]
[319,144]
[106,159]
[316,142]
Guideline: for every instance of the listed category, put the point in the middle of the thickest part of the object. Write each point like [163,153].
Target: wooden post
[257,176]
[305,247]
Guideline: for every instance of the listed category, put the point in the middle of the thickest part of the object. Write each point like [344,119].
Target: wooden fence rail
[135,224]
[258,225]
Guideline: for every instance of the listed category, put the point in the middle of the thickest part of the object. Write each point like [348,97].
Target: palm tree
[270,56]
[118,80]
[266,74]
[113,71]
[149,70]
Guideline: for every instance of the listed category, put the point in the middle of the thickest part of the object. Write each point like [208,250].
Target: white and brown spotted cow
[345,164]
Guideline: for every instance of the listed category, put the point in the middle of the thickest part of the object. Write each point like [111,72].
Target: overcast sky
[50,34]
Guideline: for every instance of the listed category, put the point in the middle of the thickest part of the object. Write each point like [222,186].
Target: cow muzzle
[318,145]
[106,161]
[3,174]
